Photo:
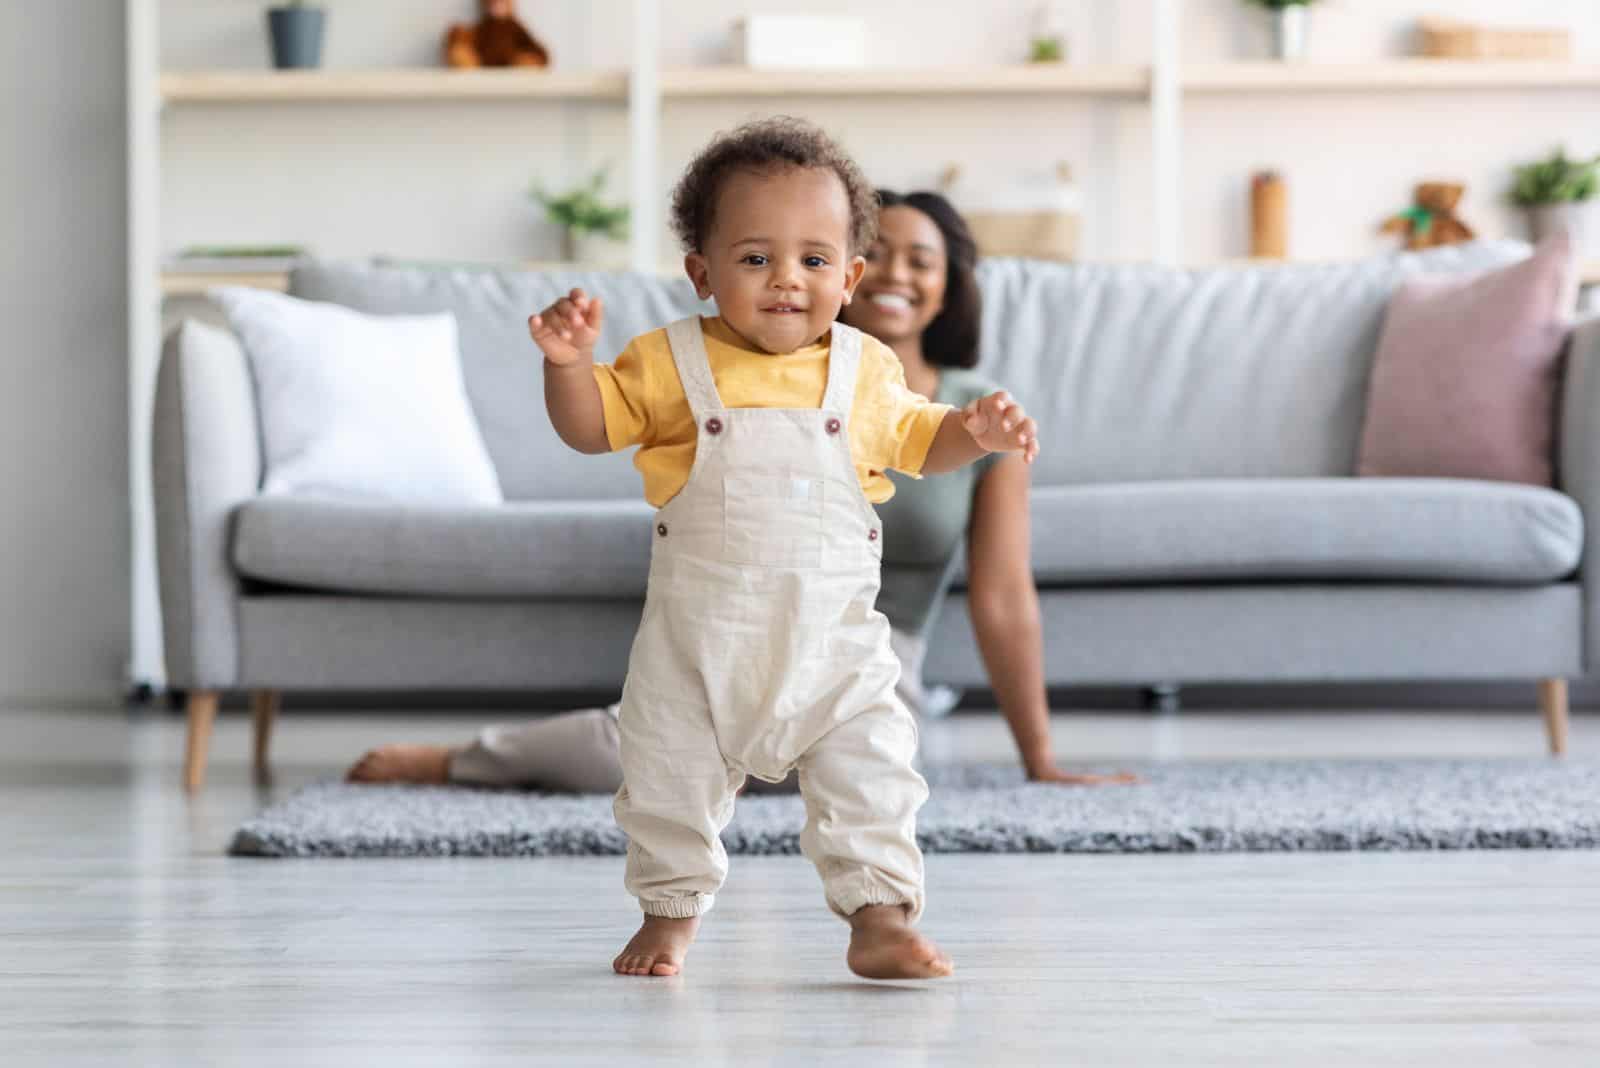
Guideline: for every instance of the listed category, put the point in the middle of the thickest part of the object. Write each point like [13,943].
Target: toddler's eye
[815,261]
[755,259]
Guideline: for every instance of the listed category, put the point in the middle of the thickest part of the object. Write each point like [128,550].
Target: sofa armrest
[1578,466]
[206,459]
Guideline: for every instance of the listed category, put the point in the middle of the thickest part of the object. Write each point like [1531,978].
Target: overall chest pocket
[772,520]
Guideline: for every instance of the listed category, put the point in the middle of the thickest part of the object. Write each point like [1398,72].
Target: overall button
[872,535]
[661,528]
[713,425]
[833,426]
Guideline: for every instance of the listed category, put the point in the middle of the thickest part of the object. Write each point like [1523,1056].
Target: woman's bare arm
[1004,605]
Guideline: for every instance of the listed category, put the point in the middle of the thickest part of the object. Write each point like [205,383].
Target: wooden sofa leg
[264,711]
[202,713]
[1553,703]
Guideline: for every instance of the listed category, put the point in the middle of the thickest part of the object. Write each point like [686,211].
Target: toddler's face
[778,258]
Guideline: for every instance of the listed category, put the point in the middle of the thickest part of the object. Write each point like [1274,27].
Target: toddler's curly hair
[768,146]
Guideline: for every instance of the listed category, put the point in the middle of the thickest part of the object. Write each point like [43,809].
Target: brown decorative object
[1269,216]
[1448,39]
[498,40]
[1432,220]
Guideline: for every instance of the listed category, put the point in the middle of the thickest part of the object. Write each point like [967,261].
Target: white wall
[450,179]
[63,360]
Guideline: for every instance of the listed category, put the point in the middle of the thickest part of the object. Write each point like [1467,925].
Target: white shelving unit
[644,90]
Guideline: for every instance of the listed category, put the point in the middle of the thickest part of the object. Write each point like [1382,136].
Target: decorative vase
[590,249]
[296,36]
[1290,28]
[1580,219]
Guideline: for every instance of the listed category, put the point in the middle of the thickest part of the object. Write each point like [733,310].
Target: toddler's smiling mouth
[783,309]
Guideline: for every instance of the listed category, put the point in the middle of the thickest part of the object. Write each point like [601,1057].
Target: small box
[777,42]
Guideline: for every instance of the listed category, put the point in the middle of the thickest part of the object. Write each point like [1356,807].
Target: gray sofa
[1195,519]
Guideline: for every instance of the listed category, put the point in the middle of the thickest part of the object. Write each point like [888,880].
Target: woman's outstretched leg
[572,752]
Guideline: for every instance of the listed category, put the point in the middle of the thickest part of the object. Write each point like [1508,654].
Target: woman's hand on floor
[1052,773]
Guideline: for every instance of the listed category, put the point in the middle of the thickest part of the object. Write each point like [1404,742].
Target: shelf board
[331,86]
[888,81]
[1389,75]
[335,86]
[188,284]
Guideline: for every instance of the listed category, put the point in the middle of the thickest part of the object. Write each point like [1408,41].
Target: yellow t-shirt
[890,426]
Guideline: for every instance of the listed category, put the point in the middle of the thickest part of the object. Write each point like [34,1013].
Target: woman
[920,297]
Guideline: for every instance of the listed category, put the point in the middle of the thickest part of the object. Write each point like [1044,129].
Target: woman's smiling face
[903,288]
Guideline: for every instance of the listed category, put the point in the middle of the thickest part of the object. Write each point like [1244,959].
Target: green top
[925,524]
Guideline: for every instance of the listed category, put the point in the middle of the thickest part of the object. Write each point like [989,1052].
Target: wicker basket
[1033,231]
[1444,39]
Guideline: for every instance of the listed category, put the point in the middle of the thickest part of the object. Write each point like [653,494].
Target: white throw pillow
[363,406]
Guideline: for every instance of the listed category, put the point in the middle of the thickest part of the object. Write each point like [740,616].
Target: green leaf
[581,209]
[1555,180]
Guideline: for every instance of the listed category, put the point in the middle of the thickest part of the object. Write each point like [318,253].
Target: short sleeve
[626,397]
[913,420]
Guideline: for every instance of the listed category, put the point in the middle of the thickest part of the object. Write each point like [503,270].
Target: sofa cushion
[551,549]
[1479,351]
[1211,530]
[501,364]
[1142,372]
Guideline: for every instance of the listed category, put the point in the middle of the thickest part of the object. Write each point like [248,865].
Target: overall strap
[844,358]
[688,344]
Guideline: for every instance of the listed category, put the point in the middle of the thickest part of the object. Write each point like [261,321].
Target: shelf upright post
[146,669]
[644,129]
[1166,130]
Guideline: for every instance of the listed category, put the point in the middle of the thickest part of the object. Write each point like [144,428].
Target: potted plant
[584,218]
[1290,26]
[296,31]
[1559,195]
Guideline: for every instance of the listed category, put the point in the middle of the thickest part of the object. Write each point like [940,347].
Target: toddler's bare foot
[884,945]
[658,948]
[422,764]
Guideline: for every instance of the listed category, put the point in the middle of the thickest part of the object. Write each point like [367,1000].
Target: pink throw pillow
[1464,380]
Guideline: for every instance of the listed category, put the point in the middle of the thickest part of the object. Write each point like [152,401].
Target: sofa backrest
[1134,372]
[1141,372]
[501,364]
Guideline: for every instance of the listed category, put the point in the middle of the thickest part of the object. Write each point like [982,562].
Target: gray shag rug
[1177,808]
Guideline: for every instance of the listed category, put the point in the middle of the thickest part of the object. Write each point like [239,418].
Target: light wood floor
[127,938]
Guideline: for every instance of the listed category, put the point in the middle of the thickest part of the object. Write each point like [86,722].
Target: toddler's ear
[699,272]
[853,271]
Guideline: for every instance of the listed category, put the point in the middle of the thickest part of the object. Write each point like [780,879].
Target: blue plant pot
[296,36]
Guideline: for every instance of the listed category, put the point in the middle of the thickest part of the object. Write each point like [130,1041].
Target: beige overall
[761,651]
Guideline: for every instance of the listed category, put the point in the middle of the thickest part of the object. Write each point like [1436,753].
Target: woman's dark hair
[765,146]
[951,340]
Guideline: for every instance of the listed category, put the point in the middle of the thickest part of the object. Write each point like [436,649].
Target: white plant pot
[1580,219]
[593,250]
[1291,28]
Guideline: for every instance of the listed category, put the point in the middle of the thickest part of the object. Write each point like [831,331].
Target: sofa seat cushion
[1224,530]
[519,549]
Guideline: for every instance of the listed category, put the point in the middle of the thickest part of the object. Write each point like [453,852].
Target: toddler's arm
[995,423]
[566,332]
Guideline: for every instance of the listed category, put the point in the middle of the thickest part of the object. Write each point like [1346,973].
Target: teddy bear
[1432,220]
[498,40]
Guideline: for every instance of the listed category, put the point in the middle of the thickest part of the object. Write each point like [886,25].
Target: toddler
[764,434]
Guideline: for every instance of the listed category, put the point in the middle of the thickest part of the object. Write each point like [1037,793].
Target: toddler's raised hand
[999,424]
[568,329]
